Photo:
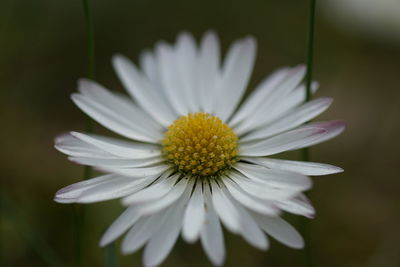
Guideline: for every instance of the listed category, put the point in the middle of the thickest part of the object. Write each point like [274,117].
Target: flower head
[192,157]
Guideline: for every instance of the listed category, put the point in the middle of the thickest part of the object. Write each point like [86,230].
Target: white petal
[276,178]
[193,219]
[120,104]
[262,190]
[290,120]
[114,188]
[236,74]
[280,230]
[169,199]
[101,188]
[72,146]
[306,168]
[250,231]
[153,192]
[120,148]
[141,172]
[259,96]
[211,236]
[142,231]
[141,90]
[209,70]
[225,209]
[171,79]
[261,206]
[332,128]
[300,206]
[283,142]
[277,98]
[187,58]
[117,162]
[149,66]
[161,243]
[110,119]
[120,226]
[70,193]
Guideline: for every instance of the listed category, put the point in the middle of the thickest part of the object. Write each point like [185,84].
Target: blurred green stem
[80,211]
[305,153]
[110,257]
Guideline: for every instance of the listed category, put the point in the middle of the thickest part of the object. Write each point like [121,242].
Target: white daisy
[192,157]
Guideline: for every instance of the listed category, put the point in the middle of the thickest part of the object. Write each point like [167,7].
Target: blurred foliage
[42,54]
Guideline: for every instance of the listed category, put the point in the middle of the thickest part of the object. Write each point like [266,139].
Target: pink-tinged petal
[290,120]
[306,168]
[262,115]
[332,128]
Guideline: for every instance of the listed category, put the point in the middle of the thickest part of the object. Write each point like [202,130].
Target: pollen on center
[200,144]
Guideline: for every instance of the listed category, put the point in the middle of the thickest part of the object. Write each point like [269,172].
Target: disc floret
[200,144]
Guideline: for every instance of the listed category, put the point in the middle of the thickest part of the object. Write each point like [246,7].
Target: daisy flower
[193,157]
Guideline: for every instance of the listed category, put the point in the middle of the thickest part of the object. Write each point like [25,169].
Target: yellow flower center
[200,144]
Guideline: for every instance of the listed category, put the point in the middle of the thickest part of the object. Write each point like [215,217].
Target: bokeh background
[357,61]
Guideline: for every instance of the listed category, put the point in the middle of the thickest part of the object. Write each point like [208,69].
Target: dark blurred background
[357,61]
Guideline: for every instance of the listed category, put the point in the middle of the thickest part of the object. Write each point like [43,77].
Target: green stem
[305,153]
[80,211]
[110,256]
[90,39]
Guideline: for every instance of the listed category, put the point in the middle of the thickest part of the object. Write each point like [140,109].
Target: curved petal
[250,230]
[277,98]
[194,217]
[120,104]
[162,241]
[236,73]
[120,148]
[111,120]
[142,231]
[187,60]
[140,89]
[259,96]
[101,188]
[140,172]
[332,128]
[264,206]
[113,189]
[171,79]
[280,230]
[153,192]
[117,162]
[70,193]
[225,209]
[286,141]
[306,168]
[170,198]
[290,120]
[209,70]
[299,205]
[72,146]
[120,226]
[276,178]
[211,236]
